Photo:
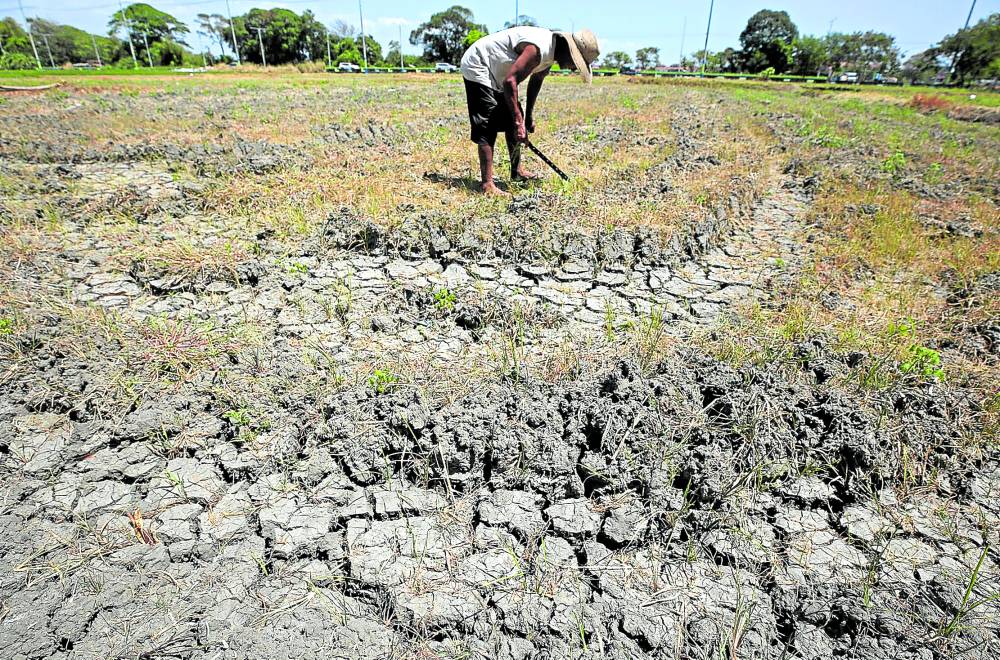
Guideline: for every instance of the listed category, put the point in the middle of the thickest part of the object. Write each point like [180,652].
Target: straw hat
[583,48]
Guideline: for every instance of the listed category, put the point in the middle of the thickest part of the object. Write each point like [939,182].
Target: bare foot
[492,190]
[522,175]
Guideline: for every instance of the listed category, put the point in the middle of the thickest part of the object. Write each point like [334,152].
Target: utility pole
[969,17]
[34,49]
[2,51]
[149,57]
[954,58]
[232,29]
[364,43]
[45,38]
[704,52]
[401,65]
[684,32]
[329,60]
[260,39]
[128,31]
[97,51]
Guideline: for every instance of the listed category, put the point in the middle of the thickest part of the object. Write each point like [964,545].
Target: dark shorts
[488,112]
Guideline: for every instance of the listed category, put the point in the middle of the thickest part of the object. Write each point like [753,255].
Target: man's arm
[534,86]
[525,63]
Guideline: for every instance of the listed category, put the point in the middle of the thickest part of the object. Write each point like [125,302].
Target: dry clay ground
[276,383]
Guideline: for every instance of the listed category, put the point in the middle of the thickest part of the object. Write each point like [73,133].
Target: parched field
[276,382]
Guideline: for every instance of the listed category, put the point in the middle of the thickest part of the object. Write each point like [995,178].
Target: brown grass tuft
[928,103]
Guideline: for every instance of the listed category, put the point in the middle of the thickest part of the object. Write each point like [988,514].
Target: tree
[70,44]
[729,61]
[168,53]
[140,18]
[374,49]
[809,55]
[473,36]
[341,29]
[647,58]
[975,51]
[864,52]
[923,67]
[312,38]
[616,59]
[522,20]
[443,36]
[15,39]
[347,49]
[287,37]
[723,61]
[215,27]
[767,41]
[16,61]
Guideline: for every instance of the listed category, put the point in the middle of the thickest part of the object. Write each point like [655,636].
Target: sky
[668,25]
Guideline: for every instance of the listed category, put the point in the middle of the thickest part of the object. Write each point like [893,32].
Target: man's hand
[529,124]
[521,132]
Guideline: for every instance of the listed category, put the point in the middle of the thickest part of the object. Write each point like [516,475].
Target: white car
[349,67]
[444,67]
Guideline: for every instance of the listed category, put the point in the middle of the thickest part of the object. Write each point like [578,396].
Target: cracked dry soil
[675,508]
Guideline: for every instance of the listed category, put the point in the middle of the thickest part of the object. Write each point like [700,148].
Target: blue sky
[915,23]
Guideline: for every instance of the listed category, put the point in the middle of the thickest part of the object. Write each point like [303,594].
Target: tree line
[771,42]
[140,34]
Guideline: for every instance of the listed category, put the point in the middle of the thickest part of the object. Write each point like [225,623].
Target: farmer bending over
[493,67]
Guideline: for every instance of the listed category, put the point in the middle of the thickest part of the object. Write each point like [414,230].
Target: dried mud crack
[494,436]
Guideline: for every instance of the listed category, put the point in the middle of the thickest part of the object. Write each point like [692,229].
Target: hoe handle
[548,162]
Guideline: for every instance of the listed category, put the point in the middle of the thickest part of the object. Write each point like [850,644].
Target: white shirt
[488,61]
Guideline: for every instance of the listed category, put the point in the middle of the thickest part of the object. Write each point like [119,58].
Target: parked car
[349,67]
[848,77]
[445,67]
[628,71]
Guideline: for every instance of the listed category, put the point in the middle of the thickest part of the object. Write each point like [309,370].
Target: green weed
[444,300]
[382,381]
[894,164]
[968,607]
[239,417]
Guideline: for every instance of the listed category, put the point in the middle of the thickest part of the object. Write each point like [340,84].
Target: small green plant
[967,607]
[649,333]
[6,326]
[922,361]
[239,417]
[176,481]
[628,102]
[512,343]
[298,268]
[894,164]
[261,564]
[382,381]
[345,299]
[609,323]
[935,173]
[444,300]
[917,360]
